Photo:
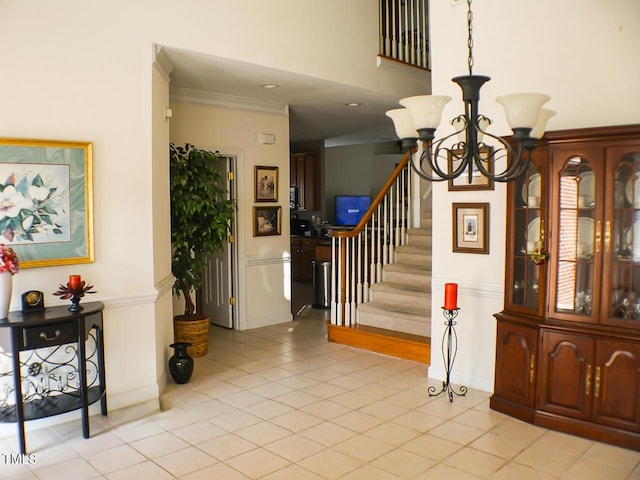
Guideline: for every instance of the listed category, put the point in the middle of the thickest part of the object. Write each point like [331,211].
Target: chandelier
[465,150]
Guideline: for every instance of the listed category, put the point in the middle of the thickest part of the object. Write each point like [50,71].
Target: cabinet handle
[588,381]
[598,235]
[532,363]
[597,392]
[607,236]
[55,335]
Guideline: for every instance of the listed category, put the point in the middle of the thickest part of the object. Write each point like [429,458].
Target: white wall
[356,170]
[583,54]
[76,70]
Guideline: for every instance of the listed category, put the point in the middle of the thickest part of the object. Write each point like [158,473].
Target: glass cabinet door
[622,243]
[524,285]
[576,244]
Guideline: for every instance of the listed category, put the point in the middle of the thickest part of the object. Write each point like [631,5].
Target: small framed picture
[266,221]
[471,227]
[478,181]
[266,180]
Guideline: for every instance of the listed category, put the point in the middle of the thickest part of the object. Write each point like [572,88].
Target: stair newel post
[335,271]
[351,254]
[342,279]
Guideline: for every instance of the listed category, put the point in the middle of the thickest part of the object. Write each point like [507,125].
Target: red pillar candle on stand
[75,282]
[450,296]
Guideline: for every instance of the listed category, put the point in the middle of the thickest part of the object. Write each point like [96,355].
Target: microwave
[293,197]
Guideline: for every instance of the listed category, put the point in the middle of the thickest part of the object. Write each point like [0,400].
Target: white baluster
[379,248]
[354,299]
[385,237]
[359,269]
[340,309]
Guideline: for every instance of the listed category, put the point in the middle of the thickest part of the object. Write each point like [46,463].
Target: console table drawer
[47,335]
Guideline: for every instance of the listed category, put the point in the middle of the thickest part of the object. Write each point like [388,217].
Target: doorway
[217,295]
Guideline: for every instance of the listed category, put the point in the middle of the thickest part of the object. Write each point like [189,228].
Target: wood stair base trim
[394,344]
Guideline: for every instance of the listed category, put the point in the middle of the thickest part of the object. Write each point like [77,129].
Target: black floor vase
[180,364]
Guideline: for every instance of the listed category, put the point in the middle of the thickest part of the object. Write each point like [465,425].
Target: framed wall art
[266,184]
[478,181]
[266,221]
[46,198]
[471,227]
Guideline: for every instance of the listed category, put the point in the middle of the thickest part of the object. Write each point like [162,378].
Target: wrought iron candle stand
[449,351]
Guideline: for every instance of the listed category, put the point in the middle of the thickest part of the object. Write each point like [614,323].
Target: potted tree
[201,214]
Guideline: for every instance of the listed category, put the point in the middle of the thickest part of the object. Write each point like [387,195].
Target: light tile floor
[283,403]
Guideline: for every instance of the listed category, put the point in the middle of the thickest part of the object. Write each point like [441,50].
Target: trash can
[321,284]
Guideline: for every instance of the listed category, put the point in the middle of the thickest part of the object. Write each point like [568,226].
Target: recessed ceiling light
[270,85]
[353,104]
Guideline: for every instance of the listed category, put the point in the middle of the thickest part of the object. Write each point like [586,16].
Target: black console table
[54,382]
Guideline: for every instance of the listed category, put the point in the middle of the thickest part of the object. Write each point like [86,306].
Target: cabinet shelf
[52,405]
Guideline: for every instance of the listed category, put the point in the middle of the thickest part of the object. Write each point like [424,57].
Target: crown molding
[162,62]
[231,101]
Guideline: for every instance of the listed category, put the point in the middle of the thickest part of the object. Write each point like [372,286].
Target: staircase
[402,301]
[381,274]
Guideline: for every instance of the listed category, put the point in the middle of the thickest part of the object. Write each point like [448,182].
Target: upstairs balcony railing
[404,31]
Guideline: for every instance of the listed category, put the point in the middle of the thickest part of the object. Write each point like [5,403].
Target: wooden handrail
[376,201]
[359,255]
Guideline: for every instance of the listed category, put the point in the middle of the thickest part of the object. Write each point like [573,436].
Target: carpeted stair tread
[414,289]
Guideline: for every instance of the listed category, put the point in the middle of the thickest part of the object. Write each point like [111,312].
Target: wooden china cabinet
[568,339]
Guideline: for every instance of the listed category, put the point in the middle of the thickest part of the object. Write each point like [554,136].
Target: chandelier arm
[516,164]
[519,168]
[431,153]
[420,172]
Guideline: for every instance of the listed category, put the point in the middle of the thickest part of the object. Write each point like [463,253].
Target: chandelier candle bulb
[75,282]
[450,296]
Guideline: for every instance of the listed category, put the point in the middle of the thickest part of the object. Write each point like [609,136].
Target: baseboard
[379,340]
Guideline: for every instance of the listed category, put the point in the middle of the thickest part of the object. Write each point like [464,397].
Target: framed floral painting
[46,201]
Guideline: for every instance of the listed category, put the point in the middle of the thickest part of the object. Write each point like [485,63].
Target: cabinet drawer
[47,335]
[307,242]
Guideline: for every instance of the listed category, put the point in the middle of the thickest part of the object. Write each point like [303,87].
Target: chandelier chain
[470,37]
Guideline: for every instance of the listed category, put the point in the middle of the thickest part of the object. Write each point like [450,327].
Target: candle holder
[65,292]
[449,351]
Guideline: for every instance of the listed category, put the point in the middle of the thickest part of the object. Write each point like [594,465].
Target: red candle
[450,296]
[75,282]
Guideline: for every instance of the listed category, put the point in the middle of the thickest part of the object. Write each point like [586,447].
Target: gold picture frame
[51,183]
[471,228]
[266,184]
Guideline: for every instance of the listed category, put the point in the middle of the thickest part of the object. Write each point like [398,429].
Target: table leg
[82,366]
[102,373]
[17,384]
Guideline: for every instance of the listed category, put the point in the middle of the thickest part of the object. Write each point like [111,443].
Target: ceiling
[317,108]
